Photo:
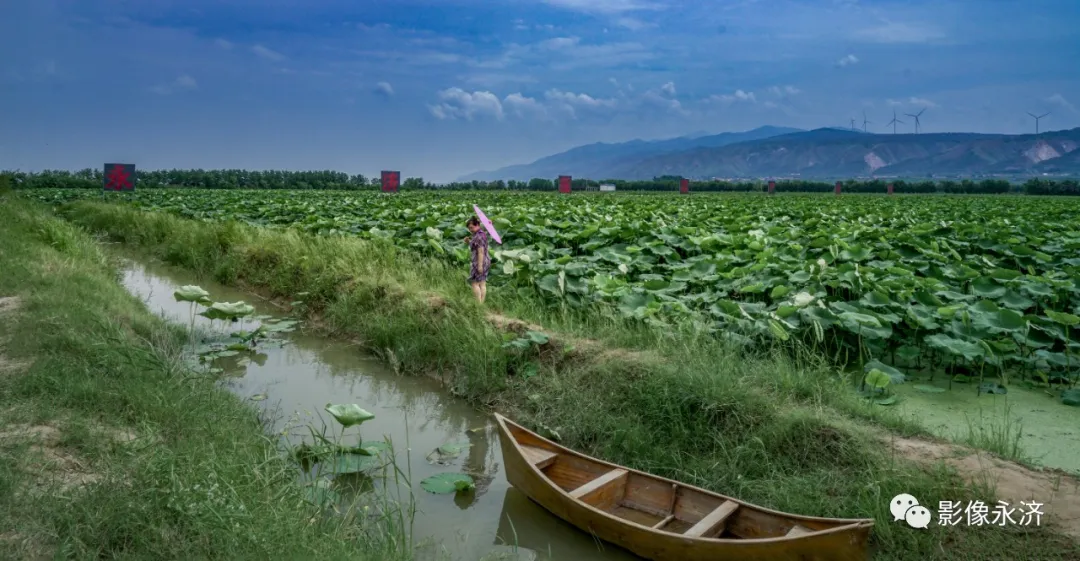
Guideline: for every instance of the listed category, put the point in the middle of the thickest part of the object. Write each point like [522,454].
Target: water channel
[300,377]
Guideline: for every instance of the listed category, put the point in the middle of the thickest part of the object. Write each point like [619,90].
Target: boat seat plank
[798,530]
[538,456]
[713,521]
[613,478]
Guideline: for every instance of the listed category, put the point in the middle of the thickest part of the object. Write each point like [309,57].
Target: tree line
[273,179]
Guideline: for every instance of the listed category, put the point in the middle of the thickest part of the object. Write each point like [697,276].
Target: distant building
[607,187]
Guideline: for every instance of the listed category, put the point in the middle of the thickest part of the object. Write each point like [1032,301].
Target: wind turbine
[853,124]
[893,122]
[1037,117]
[916,117]
[864,121]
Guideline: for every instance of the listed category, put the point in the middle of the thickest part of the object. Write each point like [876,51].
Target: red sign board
[390,181]
[684,186]
[837,190]
[890,189]
[119,177]
[564,183]
[772,187]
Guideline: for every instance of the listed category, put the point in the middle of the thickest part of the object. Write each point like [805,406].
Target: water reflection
[308,371]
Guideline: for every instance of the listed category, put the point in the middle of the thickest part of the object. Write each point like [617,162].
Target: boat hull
[845,543]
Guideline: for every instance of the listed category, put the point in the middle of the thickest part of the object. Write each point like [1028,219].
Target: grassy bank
[108,448]
[778,432]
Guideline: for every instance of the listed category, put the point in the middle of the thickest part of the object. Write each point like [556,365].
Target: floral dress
[478,246]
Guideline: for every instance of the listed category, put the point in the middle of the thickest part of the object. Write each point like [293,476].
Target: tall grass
[778,430]
[109,449]
[1000,434]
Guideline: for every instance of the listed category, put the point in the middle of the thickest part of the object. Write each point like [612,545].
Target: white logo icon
[918,516]
[907,508]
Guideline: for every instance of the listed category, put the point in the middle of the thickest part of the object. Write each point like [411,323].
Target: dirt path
[583,348]
[1059,492]
[8,305]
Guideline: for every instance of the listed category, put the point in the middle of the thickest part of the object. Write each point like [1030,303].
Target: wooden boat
[664,520]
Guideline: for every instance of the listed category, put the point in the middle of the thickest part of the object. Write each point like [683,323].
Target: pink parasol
[487,224]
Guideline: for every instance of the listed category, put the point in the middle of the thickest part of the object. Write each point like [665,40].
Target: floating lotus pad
[445,483]
[349,414]
[192,293]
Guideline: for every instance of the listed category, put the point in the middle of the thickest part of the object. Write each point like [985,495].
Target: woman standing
[481,260]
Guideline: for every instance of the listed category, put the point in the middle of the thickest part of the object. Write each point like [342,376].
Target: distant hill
[820,153]
[592,160]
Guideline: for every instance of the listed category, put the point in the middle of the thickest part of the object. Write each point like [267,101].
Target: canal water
[294,381]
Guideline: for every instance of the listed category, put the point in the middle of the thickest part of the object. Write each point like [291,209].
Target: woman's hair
[474,221]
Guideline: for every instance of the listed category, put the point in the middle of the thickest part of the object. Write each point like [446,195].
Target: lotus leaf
[1063,318]
[923,268]
[447,452]
[445,483]
[895,376]
[192,293]
[227,310]
[877,379]
[348,414]
[354,463]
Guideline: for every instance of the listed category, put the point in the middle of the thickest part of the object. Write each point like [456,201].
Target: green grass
[1000,435]
[778,429]
[110,449]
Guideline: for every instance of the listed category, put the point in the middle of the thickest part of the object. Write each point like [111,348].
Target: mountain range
[816,154]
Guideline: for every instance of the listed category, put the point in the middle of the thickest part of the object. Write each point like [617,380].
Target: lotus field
[983,287]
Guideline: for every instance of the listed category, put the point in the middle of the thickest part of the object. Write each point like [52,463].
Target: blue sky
[441,88]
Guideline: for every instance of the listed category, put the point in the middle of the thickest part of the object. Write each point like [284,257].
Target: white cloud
[456,103]
[616,10]
[605,6]
[848,60]
[376,27]
[738,96]
[522,106]
[384,88]
[223,44]
[919,101]
[783,91]
[633,24]
[181,83]
[898,32]
[521,25]
[673,105]
[557,53]
[419,57]
[559,43]
[571,103]
[1059,100]
[266,53]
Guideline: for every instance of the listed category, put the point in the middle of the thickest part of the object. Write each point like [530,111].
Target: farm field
[982,287]
[783,429]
